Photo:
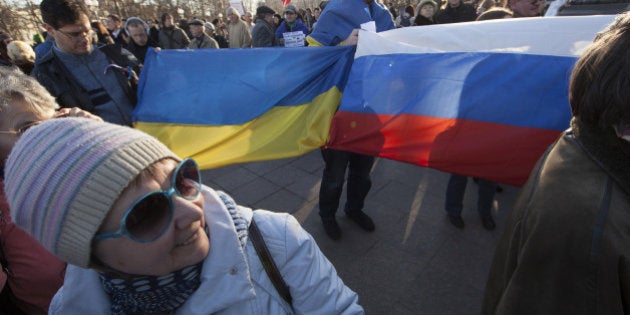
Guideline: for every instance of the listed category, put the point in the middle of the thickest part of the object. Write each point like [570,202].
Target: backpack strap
[267,261]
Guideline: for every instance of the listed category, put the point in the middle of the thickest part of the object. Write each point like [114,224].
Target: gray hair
[17,86]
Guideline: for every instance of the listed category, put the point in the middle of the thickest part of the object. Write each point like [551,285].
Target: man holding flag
[338,25]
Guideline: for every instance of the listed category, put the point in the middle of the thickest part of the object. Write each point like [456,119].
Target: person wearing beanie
[264,31]
[29,274]
[142,235]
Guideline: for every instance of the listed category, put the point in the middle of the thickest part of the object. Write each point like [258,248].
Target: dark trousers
[359,183]
[455,195]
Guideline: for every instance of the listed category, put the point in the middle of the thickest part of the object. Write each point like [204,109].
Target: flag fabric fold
[480,99]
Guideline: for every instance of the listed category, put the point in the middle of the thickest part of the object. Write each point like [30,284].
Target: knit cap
[63,176]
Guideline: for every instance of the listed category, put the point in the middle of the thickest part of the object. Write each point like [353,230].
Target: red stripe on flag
[497,152]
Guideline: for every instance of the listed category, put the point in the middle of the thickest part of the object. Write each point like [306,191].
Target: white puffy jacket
[233,279]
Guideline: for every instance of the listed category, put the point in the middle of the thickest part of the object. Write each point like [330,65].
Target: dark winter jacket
[463,13]
[564,249]
[59,81]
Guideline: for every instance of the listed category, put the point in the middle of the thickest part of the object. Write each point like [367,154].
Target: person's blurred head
[277,19]
[290,13]
[265,13]
[247,17]
[23,103]
[137,30]
[316,12]
[496,13]
[196,27]
[67,22]
[427,8]
[101,34]
[599,89]
[525,8]
[453,3]
[20,51]
[209,27]
[127,205]
[232,14]
[113,22]
[167,19]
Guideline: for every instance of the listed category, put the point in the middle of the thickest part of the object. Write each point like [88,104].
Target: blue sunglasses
[149,217]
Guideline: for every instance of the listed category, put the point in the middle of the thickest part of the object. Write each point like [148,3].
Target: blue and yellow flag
[226,106]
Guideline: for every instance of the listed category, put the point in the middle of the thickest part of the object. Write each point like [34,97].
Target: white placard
[238,5]
[369,26]
[293,39]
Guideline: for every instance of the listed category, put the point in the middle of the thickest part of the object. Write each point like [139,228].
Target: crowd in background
[265,28]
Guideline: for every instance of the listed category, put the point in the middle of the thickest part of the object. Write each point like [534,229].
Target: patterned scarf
[163,294]
[151,294]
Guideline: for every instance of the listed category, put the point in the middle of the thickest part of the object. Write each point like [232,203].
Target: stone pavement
[415,262]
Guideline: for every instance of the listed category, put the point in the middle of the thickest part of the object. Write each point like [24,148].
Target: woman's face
[184,243]
[18,116]
[427,11]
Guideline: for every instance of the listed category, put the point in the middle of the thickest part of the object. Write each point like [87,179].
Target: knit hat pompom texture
[63,176]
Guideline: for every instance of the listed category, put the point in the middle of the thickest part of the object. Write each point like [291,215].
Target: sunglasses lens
[149,217]
[188,180]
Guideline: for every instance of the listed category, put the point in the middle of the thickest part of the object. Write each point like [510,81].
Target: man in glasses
[142,235]
[101,81]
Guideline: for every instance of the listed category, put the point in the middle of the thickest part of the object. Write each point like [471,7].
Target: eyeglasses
[77,35]
[20,130]
[150,216]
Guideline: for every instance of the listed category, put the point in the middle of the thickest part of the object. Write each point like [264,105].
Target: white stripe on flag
[559,36]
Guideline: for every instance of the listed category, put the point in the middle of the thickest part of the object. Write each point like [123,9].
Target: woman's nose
[186,212]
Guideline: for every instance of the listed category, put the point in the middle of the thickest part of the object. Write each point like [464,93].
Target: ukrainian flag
[226,106]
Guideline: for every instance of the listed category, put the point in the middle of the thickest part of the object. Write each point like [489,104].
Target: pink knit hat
[63,176]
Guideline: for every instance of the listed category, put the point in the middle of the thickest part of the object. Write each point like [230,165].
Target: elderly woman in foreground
[142,235]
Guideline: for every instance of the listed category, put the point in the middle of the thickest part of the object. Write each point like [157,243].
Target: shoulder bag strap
[267,261]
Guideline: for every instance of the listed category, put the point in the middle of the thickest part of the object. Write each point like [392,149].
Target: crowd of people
[111,216]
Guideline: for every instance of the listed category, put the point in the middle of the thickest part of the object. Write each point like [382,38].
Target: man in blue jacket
[338,25]
[291,23]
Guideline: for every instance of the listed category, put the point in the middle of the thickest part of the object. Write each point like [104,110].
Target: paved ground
[415,262]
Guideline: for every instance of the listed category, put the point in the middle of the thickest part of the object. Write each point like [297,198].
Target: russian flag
[226,106]
[480,99]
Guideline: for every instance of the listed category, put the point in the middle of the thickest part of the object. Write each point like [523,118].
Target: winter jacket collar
[610,152]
